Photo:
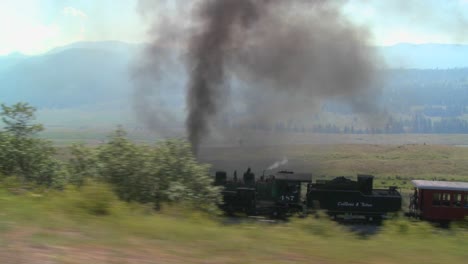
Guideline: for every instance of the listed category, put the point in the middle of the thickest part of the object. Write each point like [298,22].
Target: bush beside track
[70,227]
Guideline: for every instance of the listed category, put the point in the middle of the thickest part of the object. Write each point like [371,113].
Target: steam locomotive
[286,193]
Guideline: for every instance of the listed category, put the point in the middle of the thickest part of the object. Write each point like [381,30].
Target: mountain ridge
[98,75]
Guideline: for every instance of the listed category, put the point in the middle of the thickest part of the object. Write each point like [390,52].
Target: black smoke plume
[288,55]
[209,52]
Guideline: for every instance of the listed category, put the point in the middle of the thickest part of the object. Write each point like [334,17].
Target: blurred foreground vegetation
[165,172]
[91,224]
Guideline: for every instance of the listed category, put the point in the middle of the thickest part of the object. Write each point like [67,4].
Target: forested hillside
[93,84]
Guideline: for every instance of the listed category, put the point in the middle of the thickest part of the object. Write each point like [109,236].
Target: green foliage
[69,220]
[165,173]
[403,227]
[7,154]
[12,184]
[461,224]
[18,119]
[22,154]
[318,226]
[181,178]
[92,198]
[83,164]
[123,164]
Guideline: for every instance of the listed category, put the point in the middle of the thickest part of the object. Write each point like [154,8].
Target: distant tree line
[417,124]
[166,172]
[448,111]
[443,91]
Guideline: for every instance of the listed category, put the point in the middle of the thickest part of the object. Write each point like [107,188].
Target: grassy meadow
[394,158]
[394,164]
[52,227]
[90,225]
[391,164]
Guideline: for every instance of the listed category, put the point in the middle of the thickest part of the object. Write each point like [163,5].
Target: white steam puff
[278,163]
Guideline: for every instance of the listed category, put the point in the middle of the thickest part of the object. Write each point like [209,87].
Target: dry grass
[385,161]
[31,232]
[191,238]
[49,228]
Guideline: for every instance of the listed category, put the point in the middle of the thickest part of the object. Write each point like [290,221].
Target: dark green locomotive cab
[238,196]
[276,195]
[283,193]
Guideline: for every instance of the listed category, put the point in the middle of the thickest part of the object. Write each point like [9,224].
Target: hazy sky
[35,26]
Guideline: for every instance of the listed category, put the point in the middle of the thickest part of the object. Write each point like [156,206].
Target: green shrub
[11,182]
[92,198]
[319,225]
[404,227]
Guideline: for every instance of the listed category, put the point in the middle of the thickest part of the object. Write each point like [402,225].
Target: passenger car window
[445,199]
[436,197]
[457,200]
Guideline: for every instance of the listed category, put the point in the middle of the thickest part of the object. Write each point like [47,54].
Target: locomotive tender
[285,193]
[345,198]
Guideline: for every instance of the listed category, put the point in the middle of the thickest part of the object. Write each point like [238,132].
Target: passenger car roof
[440,185]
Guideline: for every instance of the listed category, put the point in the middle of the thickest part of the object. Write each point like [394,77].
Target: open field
[63,136]
[409,156]
[391,162]
[51,228]
[393,159]
[392,165]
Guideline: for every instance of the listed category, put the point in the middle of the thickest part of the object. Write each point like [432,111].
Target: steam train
[286,193]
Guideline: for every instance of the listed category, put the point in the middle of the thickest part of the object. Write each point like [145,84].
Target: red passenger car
[439,200]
